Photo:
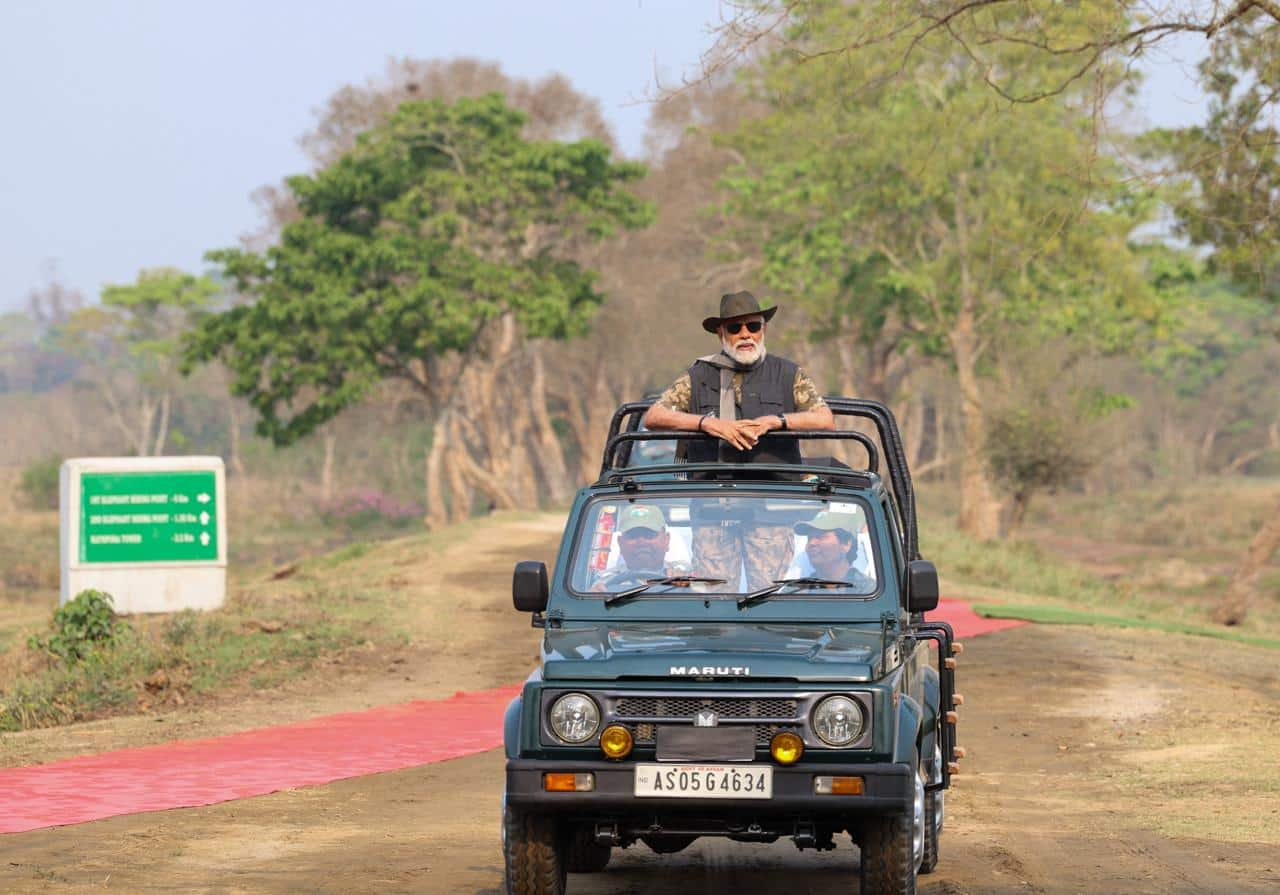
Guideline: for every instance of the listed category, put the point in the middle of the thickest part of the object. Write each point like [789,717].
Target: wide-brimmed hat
[737,304]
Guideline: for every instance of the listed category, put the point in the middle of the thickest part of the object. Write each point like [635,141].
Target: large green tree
[907,197]
[422,254]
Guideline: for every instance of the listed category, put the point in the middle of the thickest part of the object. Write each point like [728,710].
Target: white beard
[750,356]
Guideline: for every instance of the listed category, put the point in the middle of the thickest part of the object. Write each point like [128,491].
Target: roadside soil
[453,605]
[1098,762]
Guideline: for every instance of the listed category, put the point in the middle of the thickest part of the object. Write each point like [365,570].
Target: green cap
[829,521]
[641,516]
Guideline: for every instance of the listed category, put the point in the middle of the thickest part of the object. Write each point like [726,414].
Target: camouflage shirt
[679,395]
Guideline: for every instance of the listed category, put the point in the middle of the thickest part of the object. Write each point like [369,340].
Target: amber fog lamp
[786,748]
[616,741]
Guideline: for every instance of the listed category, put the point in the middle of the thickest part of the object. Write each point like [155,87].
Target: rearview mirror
[922,586]
[529,586]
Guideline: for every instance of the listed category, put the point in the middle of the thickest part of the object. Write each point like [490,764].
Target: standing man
[739,395]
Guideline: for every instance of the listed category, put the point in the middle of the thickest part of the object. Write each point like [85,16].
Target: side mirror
[529,586]
[922,586]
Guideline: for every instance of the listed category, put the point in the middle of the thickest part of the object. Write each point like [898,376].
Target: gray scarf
[727,367]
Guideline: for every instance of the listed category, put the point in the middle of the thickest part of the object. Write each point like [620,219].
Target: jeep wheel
[584,855]
[888,862]
[933,810]
[533,852]
[893,847]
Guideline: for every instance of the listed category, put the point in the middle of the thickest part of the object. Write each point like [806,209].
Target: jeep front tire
[534,853]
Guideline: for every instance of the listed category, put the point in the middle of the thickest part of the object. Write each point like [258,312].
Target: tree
[421,254]
[1232,160]
[1233,206]
[910,200]
[130,347]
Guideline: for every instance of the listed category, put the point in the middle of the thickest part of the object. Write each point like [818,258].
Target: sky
[135,131]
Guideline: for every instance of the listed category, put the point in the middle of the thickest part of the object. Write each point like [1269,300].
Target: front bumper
[888,788]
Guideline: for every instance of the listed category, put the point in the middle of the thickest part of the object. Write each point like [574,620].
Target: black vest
[768,389]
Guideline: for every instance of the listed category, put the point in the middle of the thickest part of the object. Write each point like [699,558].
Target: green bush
[81,626]
[39,483]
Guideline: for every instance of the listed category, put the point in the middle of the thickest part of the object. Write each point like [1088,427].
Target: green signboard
[148,517]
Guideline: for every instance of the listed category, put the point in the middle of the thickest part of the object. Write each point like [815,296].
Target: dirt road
[1068,732]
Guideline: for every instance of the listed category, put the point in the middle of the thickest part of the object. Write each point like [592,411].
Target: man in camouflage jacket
[739,395]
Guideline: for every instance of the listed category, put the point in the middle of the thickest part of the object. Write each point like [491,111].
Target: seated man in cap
[738,395]
[831,547]
[643,541]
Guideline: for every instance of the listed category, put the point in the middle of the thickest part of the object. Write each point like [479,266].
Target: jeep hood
[612,651]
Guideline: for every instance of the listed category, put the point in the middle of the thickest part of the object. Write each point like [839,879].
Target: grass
[1104,557]
[270,630]
[1061,615]
[169,661]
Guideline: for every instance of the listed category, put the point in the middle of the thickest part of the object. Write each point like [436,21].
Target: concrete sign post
[150,531]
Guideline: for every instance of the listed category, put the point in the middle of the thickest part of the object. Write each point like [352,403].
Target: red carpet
[965,622]
[187,773]
[202,772]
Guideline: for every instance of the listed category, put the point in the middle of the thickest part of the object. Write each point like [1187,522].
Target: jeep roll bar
[624,431]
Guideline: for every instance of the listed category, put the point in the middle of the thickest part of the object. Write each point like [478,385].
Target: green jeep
[737,651]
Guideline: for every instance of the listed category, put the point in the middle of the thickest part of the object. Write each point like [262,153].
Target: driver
[832,548]
[643,540]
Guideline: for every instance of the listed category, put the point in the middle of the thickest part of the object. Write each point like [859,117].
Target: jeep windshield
[651,547]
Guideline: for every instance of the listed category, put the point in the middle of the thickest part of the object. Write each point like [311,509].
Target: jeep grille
[646,712]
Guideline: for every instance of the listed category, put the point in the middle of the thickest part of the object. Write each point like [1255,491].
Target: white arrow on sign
[203,498]
[204,538]
[204,518]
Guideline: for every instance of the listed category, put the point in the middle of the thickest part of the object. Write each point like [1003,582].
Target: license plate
[704,781]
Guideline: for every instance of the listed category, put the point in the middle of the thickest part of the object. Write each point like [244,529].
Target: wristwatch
[783,418]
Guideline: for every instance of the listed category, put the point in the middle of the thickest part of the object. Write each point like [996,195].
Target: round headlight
[838,720]
[574,717]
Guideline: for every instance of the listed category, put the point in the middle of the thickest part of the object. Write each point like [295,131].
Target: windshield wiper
[673,580]
[764,593]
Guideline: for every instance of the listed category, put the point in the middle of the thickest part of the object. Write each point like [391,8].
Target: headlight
[838,720]
[574,717]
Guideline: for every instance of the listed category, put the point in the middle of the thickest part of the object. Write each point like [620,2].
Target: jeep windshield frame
[624,432]
[585,572]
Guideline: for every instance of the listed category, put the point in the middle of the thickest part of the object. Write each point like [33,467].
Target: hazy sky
[135,130]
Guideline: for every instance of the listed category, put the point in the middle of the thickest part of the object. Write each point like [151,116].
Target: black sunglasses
[753,326]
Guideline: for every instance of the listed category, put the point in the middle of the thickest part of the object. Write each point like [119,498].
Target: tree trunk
[142,436]
[326,471]
[979,507]
[547,449]
[1018,510]
[162,430]
[1210,439]
[848,381]
[461,497]
[233,431]
[590,406]
[913,429]
[1273,444]
[437,511]
[1235,605]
